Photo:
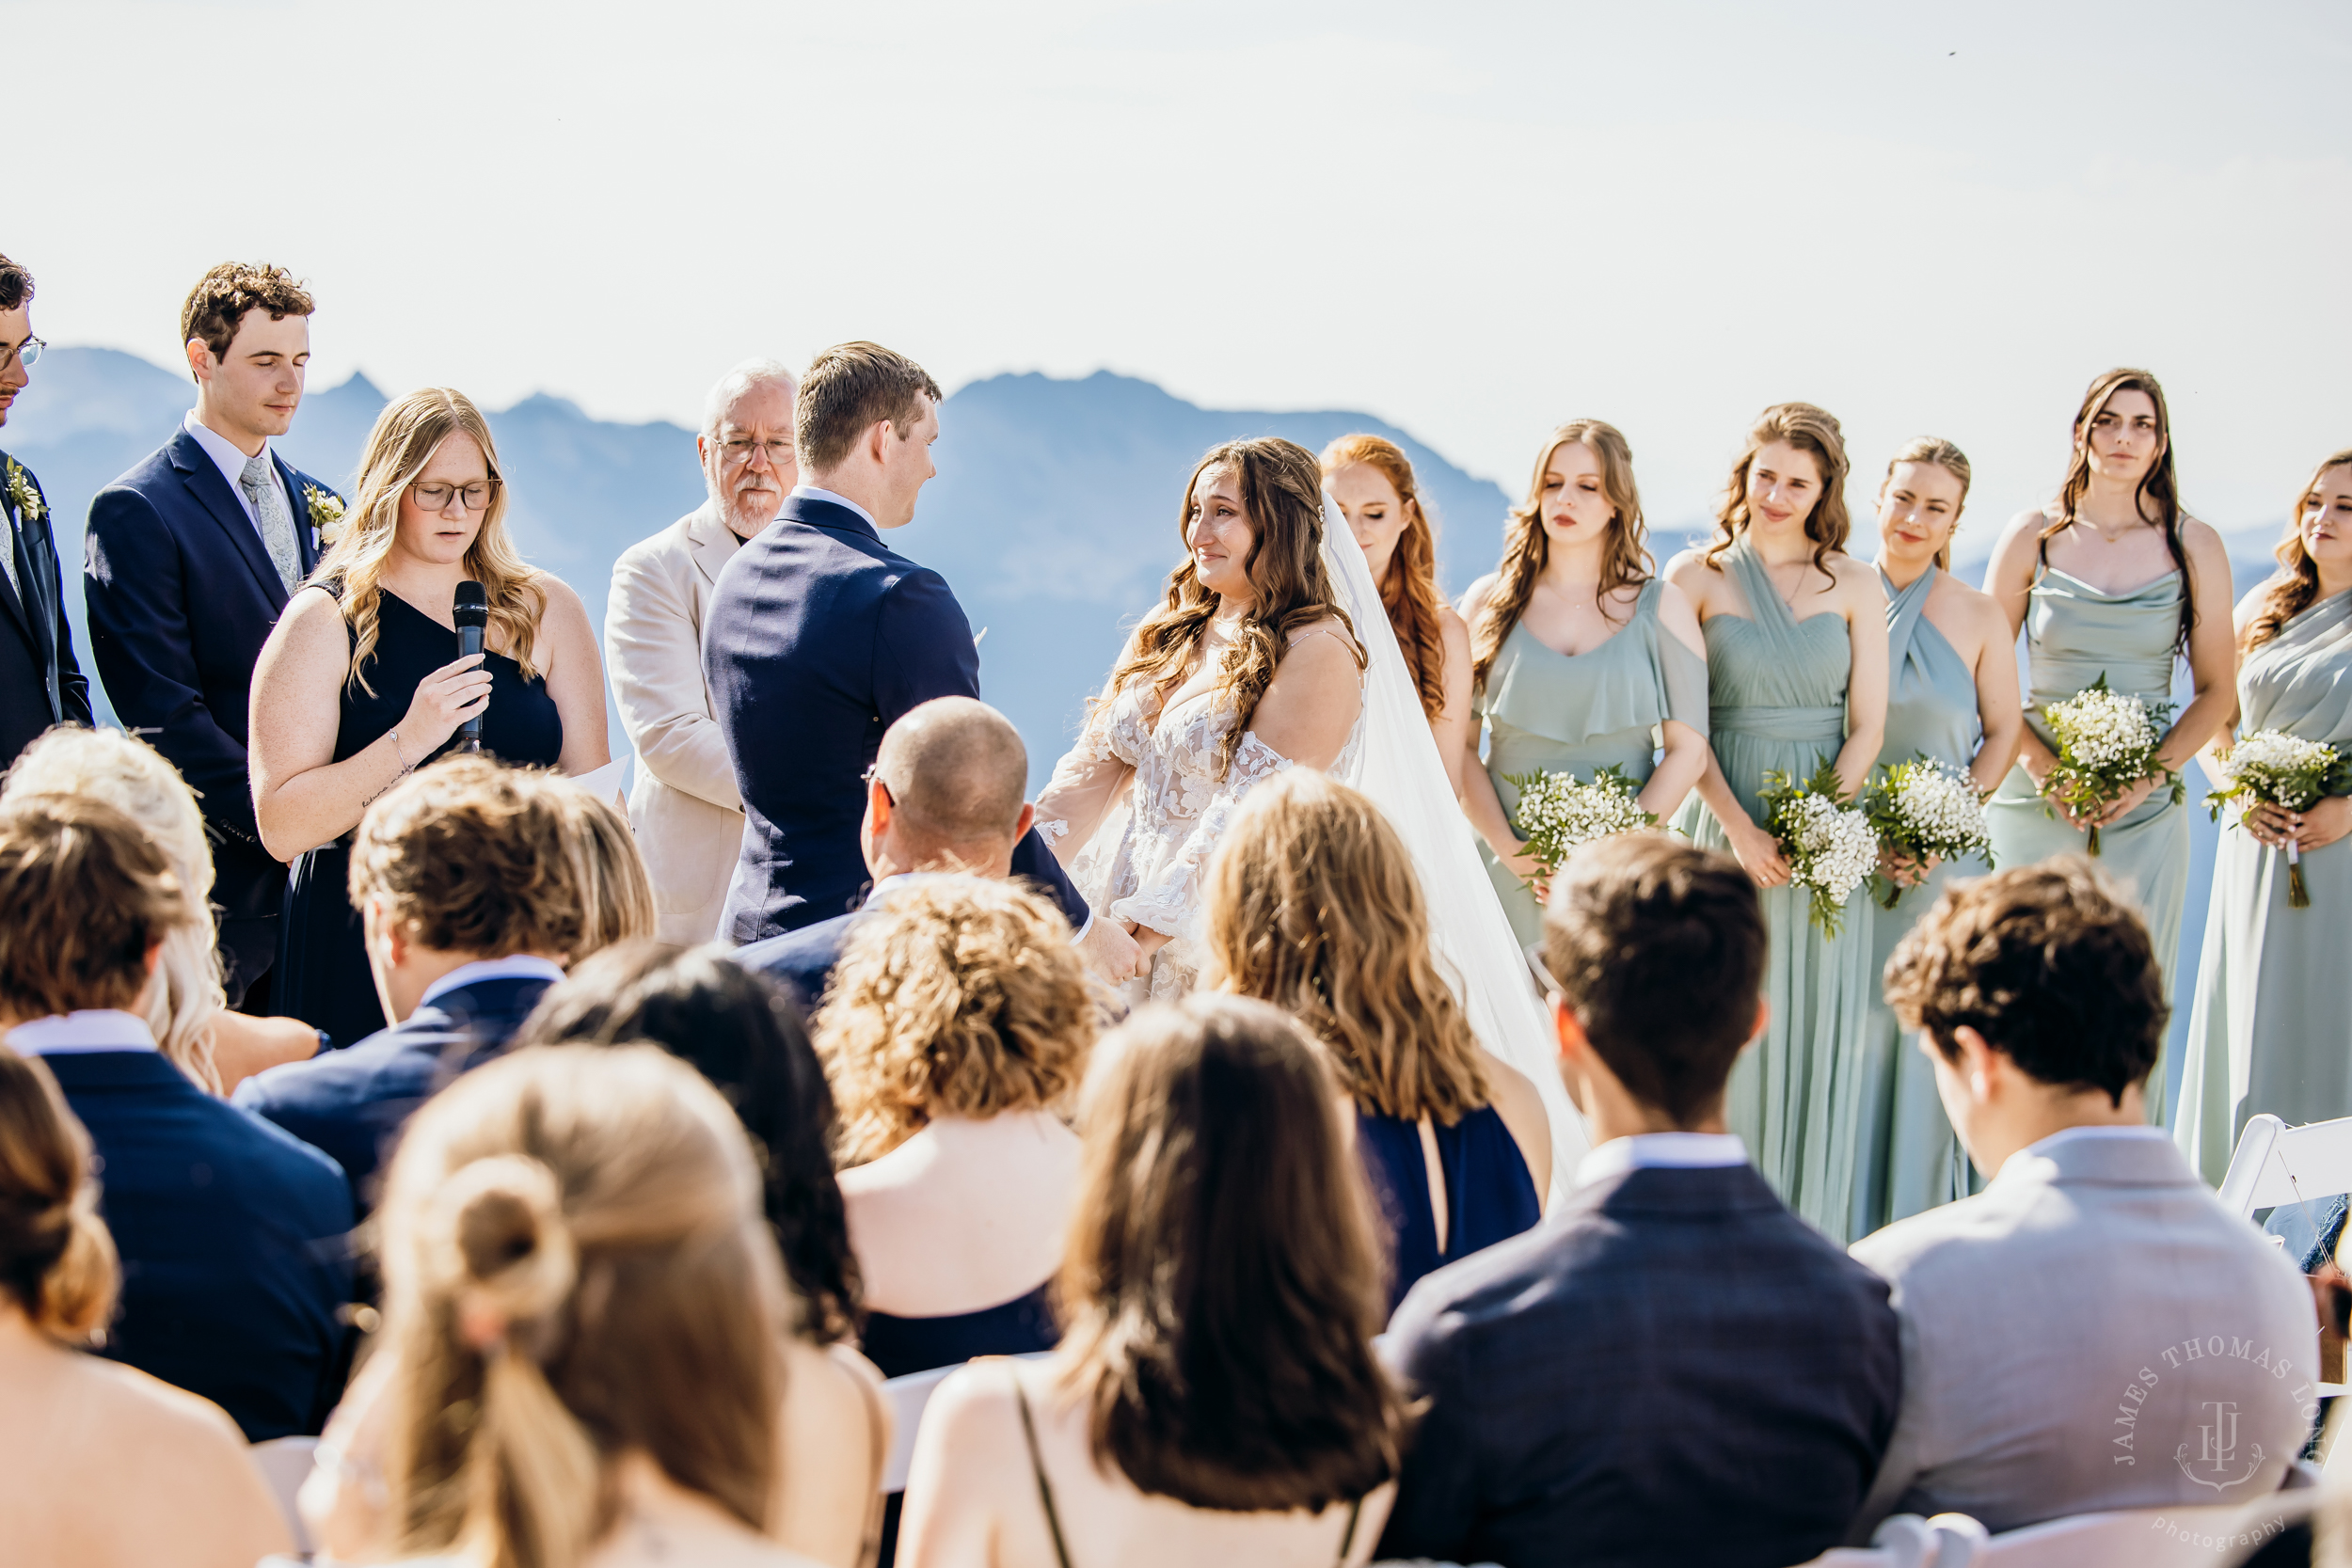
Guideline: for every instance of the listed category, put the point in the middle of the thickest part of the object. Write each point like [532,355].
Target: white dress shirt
[231,462]
[1660,1152]
[515,966]
[813,492]
[70,1034]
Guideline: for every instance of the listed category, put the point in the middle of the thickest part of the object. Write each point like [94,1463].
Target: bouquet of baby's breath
[2107,743]
[1557,812]
[1830,845]
[2277,768]
[1926,809]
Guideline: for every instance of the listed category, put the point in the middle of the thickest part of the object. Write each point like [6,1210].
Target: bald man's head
[958,776]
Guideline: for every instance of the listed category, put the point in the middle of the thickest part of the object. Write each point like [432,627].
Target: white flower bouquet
[1558,812]
[1927,810]
[1830,847]
[2107,743]
[2272,768]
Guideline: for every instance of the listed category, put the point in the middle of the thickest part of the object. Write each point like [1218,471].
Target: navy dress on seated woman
[1489,1194]
[1021,1327]
[323,974]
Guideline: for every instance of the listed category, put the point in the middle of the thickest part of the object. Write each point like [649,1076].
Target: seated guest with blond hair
[82,1436]
[1313,904]
[231,1233]
[945,795]
[2056,1326]
[1673,1368]
[469,877]
[574,1253]
[1217,1397]
[188,1007]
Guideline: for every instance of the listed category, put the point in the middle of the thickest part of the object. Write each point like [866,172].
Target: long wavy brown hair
[1281,489]
[2160,485]
[2297,585]
[406,434]
[1222,1282]
[1809,430]
[1409,590]
[1625,559]
[1313,906]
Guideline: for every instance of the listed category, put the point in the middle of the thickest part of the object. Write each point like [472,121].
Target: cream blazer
[684,804]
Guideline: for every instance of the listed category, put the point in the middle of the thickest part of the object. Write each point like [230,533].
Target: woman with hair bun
[1582,657]
[2266,1032]
[84,1436]
[1796,661]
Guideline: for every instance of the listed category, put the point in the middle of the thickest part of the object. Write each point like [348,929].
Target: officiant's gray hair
[741,379]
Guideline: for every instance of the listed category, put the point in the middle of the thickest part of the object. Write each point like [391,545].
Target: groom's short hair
[849,390]
[224,296]
[1657,947]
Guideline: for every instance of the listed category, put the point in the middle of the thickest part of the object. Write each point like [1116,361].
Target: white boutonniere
[22,495]
[327,512]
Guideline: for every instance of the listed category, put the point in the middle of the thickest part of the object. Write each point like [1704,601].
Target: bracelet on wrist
[407,766]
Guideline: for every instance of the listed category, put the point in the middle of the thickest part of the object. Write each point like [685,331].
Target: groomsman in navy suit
[819,636]
[40,684]
[188,560]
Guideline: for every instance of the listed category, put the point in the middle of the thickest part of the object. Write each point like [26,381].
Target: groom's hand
[1111,953]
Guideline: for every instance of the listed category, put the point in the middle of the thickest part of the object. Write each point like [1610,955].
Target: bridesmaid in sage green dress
[2274,993]
[1580,658]
[1953,696]
[2108,580]
[1796,659]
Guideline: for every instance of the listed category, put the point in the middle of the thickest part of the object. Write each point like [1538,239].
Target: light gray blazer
[684,805]
[2092,1330]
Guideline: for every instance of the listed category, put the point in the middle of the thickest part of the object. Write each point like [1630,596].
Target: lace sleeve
[1170,902]
[1086,784]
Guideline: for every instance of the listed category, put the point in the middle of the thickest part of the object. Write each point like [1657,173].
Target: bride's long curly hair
[1281,490]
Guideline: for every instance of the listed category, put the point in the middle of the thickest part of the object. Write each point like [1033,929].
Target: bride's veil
[1397,766]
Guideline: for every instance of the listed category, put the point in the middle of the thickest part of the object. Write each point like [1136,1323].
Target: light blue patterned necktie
[268,497]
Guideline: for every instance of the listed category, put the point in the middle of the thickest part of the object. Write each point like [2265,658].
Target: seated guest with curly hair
[2088,1277]
[1217,1399]
[230,1232]
[1313,906]
[83,1434]
[474,881]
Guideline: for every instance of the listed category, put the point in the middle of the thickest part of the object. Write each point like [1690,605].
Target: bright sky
[1474,220]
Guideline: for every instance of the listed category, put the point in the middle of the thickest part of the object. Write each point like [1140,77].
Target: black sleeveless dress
[323,975]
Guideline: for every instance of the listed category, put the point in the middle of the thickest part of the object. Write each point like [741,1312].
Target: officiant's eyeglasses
[1545,982]
[873,776]
[435,497]
[26,354]
[740,448]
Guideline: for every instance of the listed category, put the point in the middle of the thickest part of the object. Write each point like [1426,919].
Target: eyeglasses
[1545,983]
[435,497]
[873,776]
[26,354]
[739,450]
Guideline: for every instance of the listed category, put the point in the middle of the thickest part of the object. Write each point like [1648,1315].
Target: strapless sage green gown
[1911,1159]
[2075,633]
[2271,1025]
[1552,712]
[1778,705]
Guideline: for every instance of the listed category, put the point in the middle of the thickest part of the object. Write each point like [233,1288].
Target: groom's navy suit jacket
[182,595]
[818,638]
[40,684]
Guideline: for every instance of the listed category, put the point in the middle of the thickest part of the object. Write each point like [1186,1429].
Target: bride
[1270,650]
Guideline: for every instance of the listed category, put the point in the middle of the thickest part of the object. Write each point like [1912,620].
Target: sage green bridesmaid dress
[1911,1159]
[1577,713]
[2271,1027]
[1777,687]
[2075,633]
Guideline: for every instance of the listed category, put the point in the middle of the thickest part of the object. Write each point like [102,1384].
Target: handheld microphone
[471,612]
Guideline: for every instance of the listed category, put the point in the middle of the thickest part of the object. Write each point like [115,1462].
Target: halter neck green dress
[1912,1159]
[2074,633]
[2268,1028]
[1577,713]
[1778,705]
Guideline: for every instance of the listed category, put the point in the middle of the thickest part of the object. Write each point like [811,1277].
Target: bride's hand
[1148,944]
[1759,853]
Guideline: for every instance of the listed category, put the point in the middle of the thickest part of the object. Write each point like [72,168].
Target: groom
[819,636]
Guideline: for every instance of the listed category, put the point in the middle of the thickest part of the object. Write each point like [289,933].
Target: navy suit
[1674,1368]
[234,1242]
[40,684]
[802,960]
[182,595]
[352,1103]
[819,636]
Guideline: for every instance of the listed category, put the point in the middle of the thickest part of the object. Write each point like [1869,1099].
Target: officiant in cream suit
[684,804]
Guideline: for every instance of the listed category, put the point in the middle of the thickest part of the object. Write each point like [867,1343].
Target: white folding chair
[1907,1540]
[907,1397]
[285,1465]
[2276,1165]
